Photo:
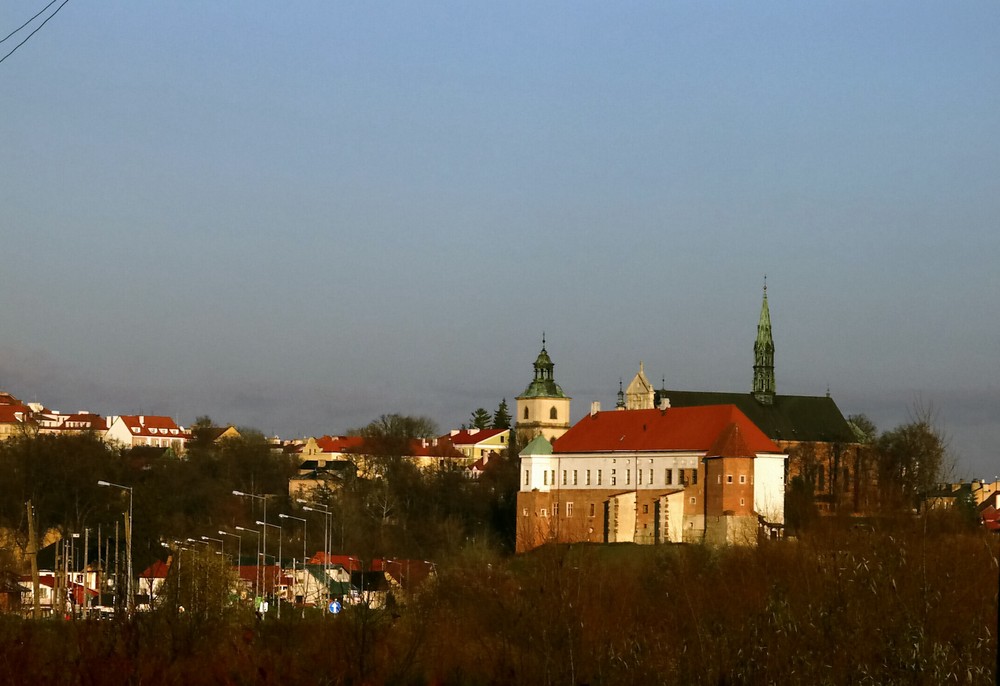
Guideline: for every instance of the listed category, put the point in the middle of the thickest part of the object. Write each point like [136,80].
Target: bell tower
[543,408]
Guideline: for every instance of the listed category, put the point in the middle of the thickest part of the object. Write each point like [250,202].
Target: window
[569,509]
[598,477]
[718,479]
[502,438]
[524,512]
[743,478]
[693,500]
[527,477]
[575,481]
[564,477]
[668,476]
[614,477]
[553,477]
[628,477]
[545,478]
[681,477]
[729,478]
[638,477]
[553,414]
[555,509]
[543,512]
[650,477]
[742,502]
[645,509]
[526,413]
[694,477]
[588,477]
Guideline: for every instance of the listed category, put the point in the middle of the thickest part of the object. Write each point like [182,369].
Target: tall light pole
[262,497]
[273,584]
[305,574]
[239,547]
[256,581]
[327,533]
[128,541]
[221,542]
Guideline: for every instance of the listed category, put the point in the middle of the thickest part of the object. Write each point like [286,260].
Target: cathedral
[673,465]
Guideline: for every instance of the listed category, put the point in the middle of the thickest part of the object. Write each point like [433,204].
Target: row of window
[684,477]
[553,413]
[729,479]
[555,510]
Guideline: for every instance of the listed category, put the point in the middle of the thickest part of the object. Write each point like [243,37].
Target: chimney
[664,404]
[142,420]
[595,407]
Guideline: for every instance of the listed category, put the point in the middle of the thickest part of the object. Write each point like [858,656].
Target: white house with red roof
[61,423]
[639,476]
[478,446]
[132,431]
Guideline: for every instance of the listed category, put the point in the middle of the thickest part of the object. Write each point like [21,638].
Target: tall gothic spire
[763,352]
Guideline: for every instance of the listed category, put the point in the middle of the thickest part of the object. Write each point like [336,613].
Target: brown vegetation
[905,602]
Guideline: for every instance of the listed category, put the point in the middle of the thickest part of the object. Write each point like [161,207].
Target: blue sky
[298,216]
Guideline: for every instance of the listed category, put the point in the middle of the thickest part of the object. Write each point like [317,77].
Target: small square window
[569,509]
[543,513]
[729,478]
[592,509]
[693,500]
[743,478]
[524,512]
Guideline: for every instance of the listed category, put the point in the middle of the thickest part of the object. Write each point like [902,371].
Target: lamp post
[327,533]
[130,604]
[305,574]
[256,581]
[262,497]
[274,584]
[221,542]
[239,547]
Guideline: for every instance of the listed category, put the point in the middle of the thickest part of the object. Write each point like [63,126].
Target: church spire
[763,352]
[620,405]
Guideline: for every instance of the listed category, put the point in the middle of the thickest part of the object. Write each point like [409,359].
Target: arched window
[526,413]
[553,414]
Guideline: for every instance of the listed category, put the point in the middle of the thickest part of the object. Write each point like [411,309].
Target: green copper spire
[544,384]
[763,353]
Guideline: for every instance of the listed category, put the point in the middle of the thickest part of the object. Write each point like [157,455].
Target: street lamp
[128,540]
[256,581]
[274,583]
[221,542]
[327,533]
[305,574]
[263,497]
[239,545]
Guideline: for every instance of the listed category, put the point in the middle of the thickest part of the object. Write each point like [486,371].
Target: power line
[28,22]
[36,30]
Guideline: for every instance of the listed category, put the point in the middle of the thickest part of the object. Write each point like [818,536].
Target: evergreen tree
[480,419]
[501,418]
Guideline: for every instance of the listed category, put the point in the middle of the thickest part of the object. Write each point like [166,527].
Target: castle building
[652,476]
[543,409]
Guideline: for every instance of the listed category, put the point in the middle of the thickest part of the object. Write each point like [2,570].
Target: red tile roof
[11,414]
[339,444]
[681,428]
[351,564]
[153,425]
[157,570]
[467,437]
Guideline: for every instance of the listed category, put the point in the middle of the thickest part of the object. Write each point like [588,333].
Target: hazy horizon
[298,218]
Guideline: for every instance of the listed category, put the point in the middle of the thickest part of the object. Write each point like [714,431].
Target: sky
[299,216]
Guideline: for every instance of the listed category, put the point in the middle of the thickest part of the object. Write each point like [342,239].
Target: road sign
[335,607]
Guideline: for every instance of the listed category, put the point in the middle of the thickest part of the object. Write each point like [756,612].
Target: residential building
[132,431]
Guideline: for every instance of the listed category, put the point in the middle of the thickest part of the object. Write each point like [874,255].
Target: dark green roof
[789,418]
[543,388]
